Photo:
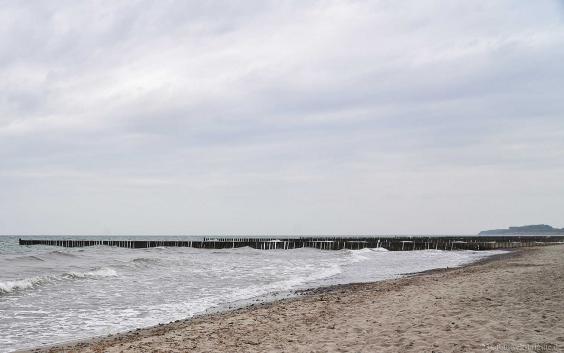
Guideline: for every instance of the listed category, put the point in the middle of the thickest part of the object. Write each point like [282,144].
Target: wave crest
[7,287]
[102,272]
[20,284]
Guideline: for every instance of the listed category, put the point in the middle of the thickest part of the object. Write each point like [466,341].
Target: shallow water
[52,294]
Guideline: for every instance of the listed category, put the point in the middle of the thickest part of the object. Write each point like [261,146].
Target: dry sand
[513,303]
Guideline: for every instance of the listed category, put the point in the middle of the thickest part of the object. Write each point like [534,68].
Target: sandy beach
[511,303]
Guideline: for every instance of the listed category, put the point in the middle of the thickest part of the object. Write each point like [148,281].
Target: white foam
[33,282]
[102,272]
[379,250]
[357,255]
[16,285]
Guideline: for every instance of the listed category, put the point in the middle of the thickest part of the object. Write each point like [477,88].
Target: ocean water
[53,294]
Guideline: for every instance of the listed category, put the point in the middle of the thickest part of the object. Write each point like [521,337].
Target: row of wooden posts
[394,243]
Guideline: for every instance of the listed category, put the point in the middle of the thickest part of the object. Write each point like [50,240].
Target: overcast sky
[280,117]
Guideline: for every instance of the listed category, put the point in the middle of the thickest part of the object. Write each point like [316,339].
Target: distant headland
[537,229]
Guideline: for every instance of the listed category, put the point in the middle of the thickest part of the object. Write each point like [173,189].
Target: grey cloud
[326,116]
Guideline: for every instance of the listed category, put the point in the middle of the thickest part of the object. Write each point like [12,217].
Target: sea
[52,294]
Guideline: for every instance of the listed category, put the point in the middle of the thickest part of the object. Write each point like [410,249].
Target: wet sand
[511,303]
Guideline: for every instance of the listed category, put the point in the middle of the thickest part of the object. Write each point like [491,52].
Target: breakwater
[393,243]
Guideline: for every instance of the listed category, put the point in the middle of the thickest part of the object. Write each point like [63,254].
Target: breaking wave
[21,284]
[7,287]
[29,258]
[102,272]
[61,253]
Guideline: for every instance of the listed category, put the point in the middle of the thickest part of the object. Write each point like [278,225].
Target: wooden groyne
[393,243]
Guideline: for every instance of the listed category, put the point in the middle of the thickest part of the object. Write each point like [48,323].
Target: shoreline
[215,320]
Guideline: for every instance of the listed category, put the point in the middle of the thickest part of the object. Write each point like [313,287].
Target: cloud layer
[319,117]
